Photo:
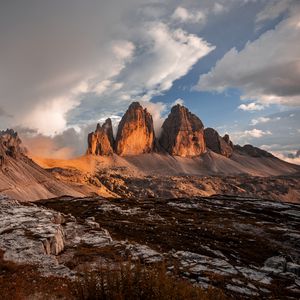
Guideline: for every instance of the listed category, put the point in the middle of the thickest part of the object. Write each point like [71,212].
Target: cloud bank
[266,70]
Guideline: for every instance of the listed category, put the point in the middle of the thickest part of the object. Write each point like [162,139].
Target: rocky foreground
[246,247]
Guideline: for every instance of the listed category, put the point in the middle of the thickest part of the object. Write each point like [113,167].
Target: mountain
[21,178]
[101,142]
[218,144]
[187,160]
[135,132]
[183,133]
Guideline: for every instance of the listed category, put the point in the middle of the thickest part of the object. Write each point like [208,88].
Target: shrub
[139,282]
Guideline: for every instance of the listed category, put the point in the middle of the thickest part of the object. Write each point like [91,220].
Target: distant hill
[21,178]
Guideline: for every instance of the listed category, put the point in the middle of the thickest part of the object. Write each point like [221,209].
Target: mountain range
[183,135]
[186,159]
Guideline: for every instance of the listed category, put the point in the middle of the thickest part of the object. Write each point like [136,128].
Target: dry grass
[141,282]
[20,282]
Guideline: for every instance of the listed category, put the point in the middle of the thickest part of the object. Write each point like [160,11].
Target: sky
[68,64]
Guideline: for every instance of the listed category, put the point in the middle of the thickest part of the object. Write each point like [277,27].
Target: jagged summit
[183,133]
[10,144]
[135,132]
[101,142]
[218,144]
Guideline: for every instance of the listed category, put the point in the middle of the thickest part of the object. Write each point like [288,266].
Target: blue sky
[68,64]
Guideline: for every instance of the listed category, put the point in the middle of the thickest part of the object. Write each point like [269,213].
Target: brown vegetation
[139,282]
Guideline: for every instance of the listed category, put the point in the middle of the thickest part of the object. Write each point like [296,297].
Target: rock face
[182,133]
[218,144]
[21,178]
[101,142]
[252,151]
[10,144]
[34,235]
[226,138]
[135,132]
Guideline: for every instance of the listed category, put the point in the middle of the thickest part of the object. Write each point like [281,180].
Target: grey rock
[293,268]
[277,263]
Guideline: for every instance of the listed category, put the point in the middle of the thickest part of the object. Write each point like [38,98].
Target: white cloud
[273,9]
[49,118]
[255,133]
[178,101]
[157,110]
[91,60]
[182,15]
[218,8]
[251,107]
[102,86]
[259,120]
[267,70]
[171,56]
[278,134]
[292,160]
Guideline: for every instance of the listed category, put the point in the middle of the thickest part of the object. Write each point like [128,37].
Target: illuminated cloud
[251,107]
[181,14]
[266,70]
[259,120]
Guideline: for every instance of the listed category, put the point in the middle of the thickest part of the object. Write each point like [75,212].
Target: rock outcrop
[21,178]
[218,144]
[183,133]
[10,144]
[135,132]
[101,142]
[252,151]
[226,138]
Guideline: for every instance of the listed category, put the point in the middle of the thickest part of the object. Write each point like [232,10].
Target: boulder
[135,132]
[277,263]
[182,133]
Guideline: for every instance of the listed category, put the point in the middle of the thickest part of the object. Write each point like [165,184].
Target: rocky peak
[252,151]
[101,142]
[182,133]
[10,144]
[108,129]
[135,132]
[226,138]
[218,144]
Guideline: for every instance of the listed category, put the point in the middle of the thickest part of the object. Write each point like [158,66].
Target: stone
[101,142]
[30,235]
[218,144]
[293,268]
[277,263]
[135,132]
[182,133]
